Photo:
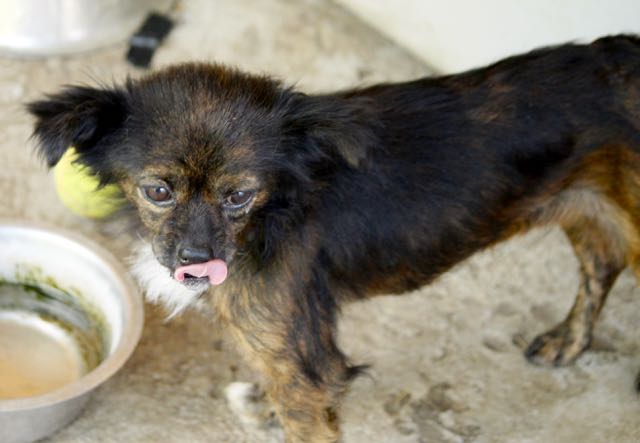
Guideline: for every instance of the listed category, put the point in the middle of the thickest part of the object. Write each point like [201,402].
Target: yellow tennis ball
[78,189]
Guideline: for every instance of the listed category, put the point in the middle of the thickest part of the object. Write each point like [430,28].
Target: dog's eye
[237,199]
[157,194]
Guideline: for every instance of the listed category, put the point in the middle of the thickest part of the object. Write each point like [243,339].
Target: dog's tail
[619,40]
[619,55]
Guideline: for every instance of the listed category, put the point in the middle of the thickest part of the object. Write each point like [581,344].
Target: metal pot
[84,275]
[48,27]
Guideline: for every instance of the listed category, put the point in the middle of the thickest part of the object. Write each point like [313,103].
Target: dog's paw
[558,347]
[250,404]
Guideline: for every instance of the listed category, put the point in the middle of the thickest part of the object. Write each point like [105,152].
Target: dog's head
[214,160]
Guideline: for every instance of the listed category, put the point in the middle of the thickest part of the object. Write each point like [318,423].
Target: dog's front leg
[305,373]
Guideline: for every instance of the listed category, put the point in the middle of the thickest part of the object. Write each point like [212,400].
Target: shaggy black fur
[368,191]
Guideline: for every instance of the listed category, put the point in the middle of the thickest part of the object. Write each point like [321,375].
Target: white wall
[455,35]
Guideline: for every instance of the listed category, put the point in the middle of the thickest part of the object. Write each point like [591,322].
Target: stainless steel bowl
[84,275]
[47,27]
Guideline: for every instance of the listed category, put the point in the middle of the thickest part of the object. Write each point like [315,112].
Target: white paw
[249,403]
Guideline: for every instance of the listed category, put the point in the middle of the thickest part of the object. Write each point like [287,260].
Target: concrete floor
[446,361]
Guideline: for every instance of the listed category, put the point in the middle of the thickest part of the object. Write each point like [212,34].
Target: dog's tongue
[214,270]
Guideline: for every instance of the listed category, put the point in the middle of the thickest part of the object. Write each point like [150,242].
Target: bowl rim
[133,313]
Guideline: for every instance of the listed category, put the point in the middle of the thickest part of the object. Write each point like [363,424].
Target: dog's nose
[188,255]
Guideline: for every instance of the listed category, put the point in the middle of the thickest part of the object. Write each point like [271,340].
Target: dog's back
[467,160]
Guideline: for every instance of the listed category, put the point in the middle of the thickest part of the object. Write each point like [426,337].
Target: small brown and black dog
[274,207]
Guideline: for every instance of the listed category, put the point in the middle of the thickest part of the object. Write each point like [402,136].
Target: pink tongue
[214,270]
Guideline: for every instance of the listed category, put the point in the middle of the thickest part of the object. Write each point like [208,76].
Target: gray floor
[447,364]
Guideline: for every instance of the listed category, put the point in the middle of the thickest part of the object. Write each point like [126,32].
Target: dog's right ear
[331,127]
[78,116]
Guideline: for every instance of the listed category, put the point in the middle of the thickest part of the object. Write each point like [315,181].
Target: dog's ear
[333,126]
[77,116]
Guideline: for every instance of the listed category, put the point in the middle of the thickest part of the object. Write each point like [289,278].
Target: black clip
[147,39]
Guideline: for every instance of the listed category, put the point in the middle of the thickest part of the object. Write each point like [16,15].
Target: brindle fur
[369,191]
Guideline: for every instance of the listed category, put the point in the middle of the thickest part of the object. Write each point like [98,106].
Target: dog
[273,207]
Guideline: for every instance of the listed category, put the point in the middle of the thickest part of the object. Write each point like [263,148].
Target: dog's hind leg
[601,255]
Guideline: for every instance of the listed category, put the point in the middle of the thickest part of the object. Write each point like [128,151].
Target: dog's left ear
[332,126]
[78,116]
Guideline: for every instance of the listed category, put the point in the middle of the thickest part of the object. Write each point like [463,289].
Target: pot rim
[133,319]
